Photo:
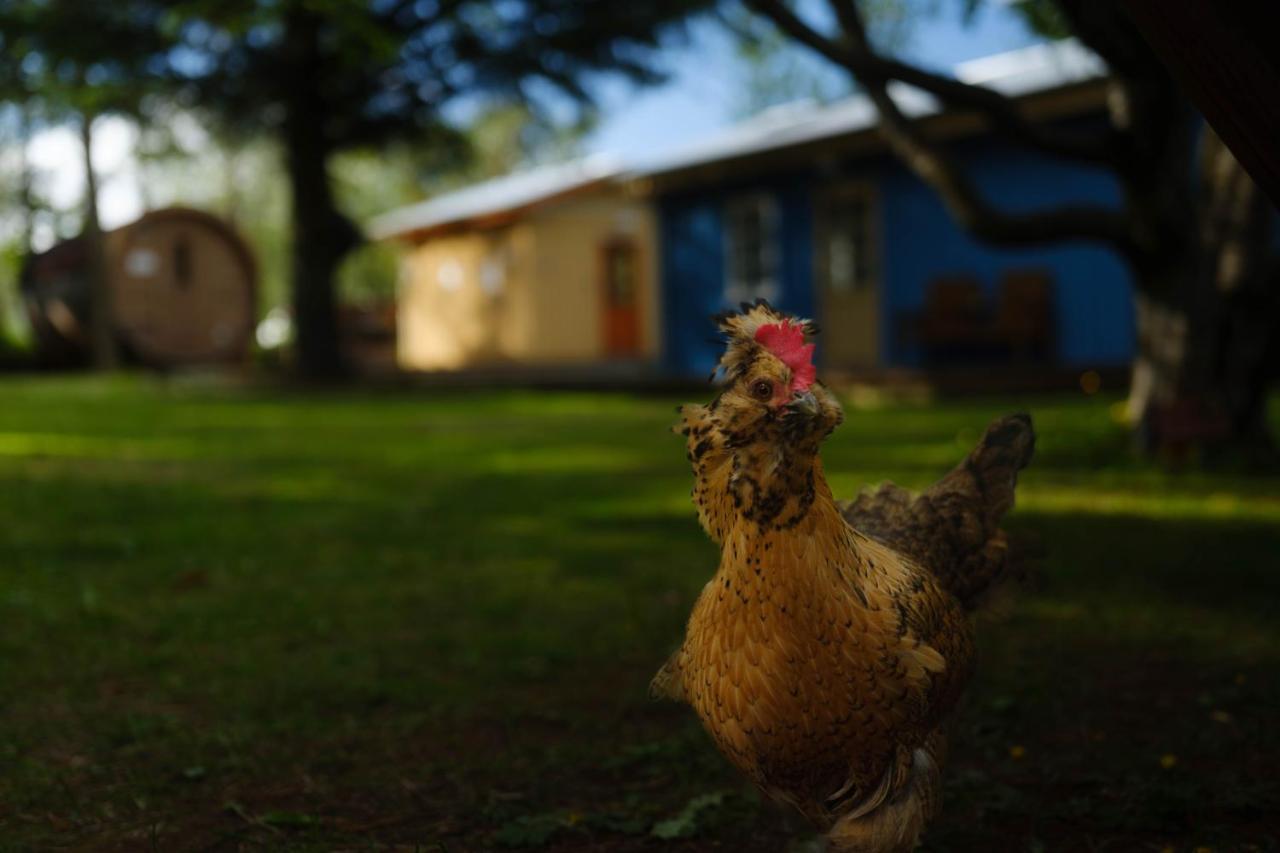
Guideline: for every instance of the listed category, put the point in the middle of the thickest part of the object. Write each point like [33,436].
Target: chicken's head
[771,393]
[754,448]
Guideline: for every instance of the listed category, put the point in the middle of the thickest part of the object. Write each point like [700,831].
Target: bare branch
[929,161]
[854,53]
[847,15]
[974,213]
[791,24]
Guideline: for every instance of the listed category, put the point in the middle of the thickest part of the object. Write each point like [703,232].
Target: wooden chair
[953,319]
[1024,320]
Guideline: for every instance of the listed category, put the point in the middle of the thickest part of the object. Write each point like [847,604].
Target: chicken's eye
[762,389]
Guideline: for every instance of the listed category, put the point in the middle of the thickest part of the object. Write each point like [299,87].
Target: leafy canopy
[384,68]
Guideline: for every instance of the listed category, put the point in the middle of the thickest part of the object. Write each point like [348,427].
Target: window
[449,275]
[620,275]
[493,271]
[141,263]
[751,249]
[846,244]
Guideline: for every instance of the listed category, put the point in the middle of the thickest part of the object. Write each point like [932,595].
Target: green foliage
[369,274]
[395,618]
[690,819]
[506,136]
[529,830]
[382,71]
[773,70]
[81,57]
[15,333]
[891,23]
[1044,17]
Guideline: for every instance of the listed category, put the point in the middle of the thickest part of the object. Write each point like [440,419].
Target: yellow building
[551,267]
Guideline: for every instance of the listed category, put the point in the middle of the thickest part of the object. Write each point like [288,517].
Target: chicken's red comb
[786,341]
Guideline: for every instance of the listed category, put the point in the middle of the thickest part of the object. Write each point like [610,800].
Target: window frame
[866,274]
[767,284]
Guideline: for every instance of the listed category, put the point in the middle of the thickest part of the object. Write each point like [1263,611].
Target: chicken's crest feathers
[747,330]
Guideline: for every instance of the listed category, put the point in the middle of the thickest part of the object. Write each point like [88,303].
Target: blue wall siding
[920,242]
[690,244]
[692,247]
[1092,293]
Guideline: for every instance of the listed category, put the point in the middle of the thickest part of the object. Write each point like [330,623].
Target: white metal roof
[1020,72]
[498,195]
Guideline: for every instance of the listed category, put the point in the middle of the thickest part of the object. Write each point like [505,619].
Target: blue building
[803,206]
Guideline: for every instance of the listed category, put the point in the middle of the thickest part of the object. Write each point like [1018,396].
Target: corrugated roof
[1020,72]
[1032,69]
[495,196]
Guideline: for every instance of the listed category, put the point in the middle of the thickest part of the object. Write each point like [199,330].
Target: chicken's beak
[804,403]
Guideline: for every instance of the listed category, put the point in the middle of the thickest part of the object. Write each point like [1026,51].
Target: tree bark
[1160,364]
[230,180]
[1186,394]
[1208,318]
[1240,297]
[321,235]
[103,351]
[26,197]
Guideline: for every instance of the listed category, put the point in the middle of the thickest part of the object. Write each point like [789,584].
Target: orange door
[621,295]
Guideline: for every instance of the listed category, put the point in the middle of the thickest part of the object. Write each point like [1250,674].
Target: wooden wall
[544,307]
[204,313]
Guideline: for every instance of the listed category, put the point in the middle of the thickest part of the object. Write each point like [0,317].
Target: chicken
[828,651]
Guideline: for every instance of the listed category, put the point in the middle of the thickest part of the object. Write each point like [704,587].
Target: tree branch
[846,12]
[974,213]
[854,53]
[928,160]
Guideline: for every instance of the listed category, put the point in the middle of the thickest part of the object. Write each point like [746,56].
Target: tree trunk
[1158,363]
[1185,394]
[26,197]
[230,181]
[103,352]
[1240,299]
[321,235]
[1208,319]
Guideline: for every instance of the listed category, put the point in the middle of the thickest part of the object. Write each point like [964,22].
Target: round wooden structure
[183,288]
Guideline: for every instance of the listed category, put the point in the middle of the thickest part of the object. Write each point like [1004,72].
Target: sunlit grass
[1150,504]
[92,447]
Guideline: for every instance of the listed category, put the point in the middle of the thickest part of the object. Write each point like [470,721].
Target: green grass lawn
[252,620]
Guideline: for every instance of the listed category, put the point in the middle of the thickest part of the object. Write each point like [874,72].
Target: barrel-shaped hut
[182,285]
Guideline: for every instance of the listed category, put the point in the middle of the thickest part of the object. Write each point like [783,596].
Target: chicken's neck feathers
[806,542]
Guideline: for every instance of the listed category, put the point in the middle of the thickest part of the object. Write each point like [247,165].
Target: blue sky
[699,96]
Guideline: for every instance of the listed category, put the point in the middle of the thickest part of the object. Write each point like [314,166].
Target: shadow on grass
[282,628]
[1126,701]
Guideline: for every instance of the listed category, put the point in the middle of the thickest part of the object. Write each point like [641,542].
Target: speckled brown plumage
[824,658]
[953,527]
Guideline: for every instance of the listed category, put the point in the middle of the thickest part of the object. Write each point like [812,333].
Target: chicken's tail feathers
[893,824]
[990,472]
[953,527]
[972,500]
